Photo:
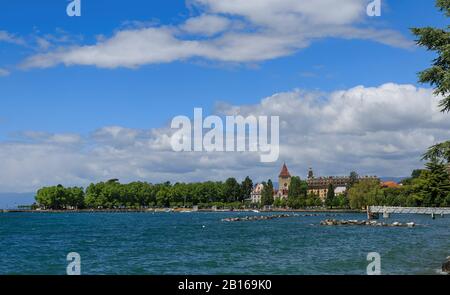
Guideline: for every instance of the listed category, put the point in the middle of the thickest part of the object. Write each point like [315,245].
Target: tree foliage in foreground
[438,75]
[437,40]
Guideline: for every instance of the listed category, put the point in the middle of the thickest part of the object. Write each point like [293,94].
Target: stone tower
[284,179]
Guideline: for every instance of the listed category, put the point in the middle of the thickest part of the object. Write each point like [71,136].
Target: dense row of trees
[426,187]
[231,193]
[112,194]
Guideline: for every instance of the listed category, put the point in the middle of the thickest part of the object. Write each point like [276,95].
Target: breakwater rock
[330,222]
[446,266]
[315,214]
[255,218]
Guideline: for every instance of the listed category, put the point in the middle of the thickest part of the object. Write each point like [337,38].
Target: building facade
[319,185]
[316,185]
[255,195]
[284,181]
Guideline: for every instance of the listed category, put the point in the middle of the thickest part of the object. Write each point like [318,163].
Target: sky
[89,98]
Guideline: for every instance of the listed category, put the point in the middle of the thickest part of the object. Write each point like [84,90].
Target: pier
[387,210]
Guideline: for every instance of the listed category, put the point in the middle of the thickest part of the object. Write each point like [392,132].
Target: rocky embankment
[256,217]
[331,222]
[446,266]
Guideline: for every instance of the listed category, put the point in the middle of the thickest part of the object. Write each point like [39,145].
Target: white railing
[409,210]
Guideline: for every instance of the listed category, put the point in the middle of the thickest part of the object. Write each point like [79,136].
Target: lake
[200,243]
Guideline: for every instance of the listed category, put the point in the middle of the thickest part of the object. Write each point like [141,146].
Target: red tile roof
[284,172]
[390,184]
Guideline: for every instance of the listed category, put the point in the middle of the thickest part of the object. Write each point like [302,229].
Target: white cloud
[206,25]
[373,130]
[4,72]
[10,38]
[242,31]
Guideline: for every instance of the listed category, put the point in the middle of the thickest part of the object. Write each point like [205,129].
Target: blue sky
[80,97]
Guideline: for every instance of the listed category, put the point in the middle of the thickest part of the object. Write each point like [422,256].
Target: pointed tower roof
[284,172]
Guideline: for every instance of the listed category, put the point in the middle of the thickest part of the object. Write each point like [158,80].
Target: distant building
[284,181]
[316,185]
[339,190]
[319,185]
[256,193]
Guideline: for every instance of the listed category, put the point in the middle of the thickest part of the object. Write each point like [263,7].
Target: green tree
[329,201]
[75,197]
[416,173]
[365,192]
[297,193]
[58,197]
[313,200]
[353,179]
[246,189]
[438,75]
[341,201]
[437,40]
[163,196]
[232,190]
[267,193]
[436,187]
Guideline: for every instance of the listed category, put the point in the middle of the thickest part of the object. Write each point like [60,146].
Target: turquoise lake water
[200,243]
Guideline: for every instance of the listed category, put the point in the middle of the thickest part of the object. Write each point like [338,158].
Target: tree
[437,40]
[163,196]
[438,75]
[440,151]
[267,193]
[329,201]
[436,187]
[58,197]
[297,193]
[313,200]
[246,189]
[365,192]
[232,190]
[353,179]
[414,175]
[75,197]
[341,201]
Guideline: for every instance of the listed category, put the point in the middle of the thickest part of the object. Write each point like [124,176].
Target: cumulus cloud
[237,31]
[206,25]
[373,130]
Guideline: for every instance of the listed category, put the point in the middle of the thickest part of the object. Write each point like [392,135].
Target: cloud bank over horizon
[374,130]
[230,31]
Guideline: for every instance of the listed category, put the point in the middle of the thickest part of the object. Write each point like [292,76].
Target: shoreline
[178,210]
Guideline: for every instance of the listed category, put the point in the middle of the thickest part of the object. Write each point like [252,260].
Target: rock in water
[446,266]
